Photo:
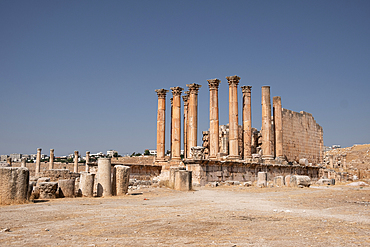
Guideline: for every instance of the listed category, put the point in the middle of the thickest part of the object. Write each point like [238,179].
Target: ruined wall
[205,171]
[302,137]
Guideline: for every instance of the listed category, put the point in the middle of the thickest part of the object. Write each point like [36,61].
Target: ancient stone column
[161,124]
[266,124]
[75,168]
[87,161]
[121,180]
[171,129]
[24,161]
[104,177]
[278,123]
[87,184]
[38,162]
[13,185]
[213,118]
[331,162]
[247,122]
[51,159]
[176,123]
[185,98]
[192,117]
[233,117]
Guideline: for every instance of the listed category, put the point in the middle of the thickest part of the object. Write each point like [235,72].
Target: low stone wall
[205,171]
[142,172]
[57,174]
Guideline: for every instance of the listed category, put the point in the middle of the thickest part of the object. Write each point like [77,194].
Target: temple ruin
[289,143]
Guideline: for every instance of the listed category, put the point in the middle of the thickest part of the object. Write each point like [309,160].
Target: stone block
[300,181]
[262,179]
[121,180]
[287,180]
[48,190]
[42,180]
[279,181]
[173,170]
[183,180]
[14,182]
[325,181]
[66,188]
[303,162]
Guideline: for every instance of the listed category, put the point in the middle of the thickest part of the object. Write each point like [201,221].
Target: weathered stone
[262,179]
[87,184]
[183,180]
[279,181]
[325,181]
[104,177]
[66,188]
[121,180]
[161,124]
[42,180]
[171,182]
[213,118]
[303,162]
[287,180]
[298,181]
[14,182]
[233,117]
[48,190]
[192,132]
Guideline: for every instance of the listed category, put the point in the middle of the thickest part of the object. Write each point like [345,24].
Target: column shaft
[278,123]
[51,159]
[38,162]
[176,123]
[247,122]
[186,104]
[87,161]
[75,167]
[266,123]
[161,124]
[233,117]
[192,117]
[213,118]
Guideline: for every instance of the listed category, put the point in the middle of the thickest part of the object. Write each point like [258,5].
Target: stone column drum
[213,118]
[23,162]
[171,129]
[75,167]
[192,117]
[14,182]
[233,117]
[87,184]
[121,180]
[266,124]
[176,123]
[278,123]
[38,162]
[185,98]
[104,177]
[51,159]
[247,122]
[87,161]
[161,124]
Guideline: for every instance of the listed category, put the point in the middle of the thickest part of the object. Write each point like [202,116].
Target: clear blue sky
[81,75]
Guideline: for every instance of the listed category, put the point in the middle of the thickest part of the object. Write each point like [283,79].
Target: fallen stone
[48,190]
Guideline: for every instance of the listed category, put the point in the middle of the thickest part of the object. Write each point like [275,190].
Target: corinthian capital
[176,91]
[193,88]
[213,84]
[233,80]
[246,89]
[161,93]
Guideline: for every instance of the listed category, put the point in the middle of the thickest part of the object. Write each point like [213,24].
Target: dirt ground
[221,216]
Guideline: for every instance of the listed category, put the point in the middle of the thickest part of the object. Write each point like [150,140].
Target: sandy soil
[222,216]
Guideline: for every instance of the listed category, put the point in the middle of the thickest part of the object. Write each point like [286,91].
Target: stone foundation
[205,171]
